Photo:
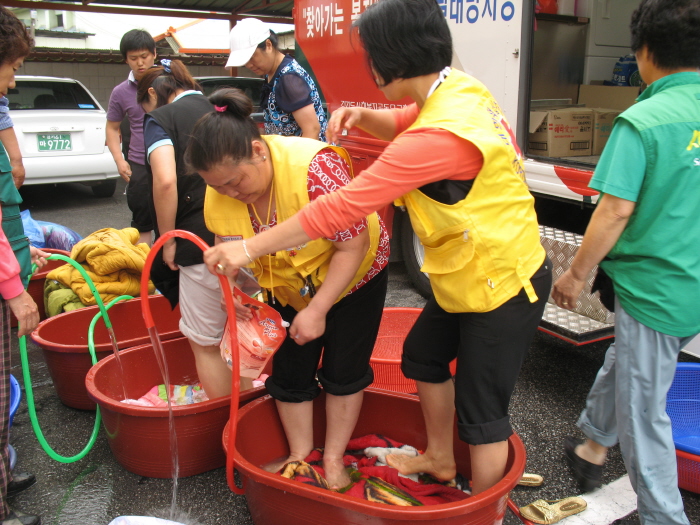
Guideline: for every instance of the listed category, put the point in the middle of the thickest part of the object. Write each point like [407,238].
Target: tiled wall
[100,79]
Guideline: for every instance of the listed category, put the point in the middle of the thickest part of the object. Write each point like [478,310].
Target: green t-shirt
[653,159]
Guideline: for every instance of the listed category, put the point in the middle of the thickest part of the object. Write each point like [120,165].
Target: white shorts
[203,318]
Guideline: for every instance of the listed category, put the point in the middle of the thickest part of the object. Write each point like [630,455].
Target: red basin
[274,500]
[64,341]
[139,436]
[386,355]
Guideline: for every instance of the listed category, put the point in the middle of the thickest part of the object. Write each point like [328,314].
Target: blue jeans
[627,403]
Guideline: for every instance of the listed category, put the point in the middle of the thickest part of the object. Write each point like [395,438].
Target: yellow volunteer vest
[481,251]
[285,272]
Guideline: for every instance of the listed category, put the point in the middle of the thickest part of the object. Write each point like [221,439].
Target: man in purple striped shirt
[139,51]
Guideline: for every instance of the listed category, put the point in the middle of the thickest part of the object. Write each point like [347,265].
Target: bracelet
[245,249]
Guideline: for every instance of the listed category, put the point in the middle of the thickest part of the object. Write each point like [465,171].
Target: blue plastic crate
[683,407]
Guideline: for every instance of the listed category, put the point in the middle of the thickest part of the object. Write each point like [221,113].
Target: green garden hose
[91,348]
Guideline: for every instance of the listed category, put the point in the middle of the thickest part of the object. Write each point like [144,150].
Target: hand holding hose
[38,256]
[226,258]
[26,312]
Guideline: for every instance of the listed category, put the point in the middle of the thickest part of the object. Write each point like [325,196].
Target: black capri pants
[138,198]
[490,348]
[352,325]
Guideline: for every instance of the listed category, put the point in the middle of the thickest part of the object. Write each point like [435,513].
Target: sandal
[547,512]
[531,480]
[589,475]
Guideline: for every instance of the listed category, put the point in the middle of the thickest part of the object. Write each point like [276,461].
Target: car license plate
[54,142]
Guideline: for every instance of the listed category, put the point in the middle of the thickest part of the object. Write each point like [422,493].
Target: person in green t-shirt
[645,235]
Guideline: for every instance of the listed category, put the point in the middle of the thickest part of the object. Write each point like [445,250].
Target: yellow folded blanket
[108,250]
[111,260]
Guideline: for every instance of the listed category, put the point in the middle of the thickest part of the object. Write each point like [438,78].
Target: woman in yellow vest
[454,164]
[331,289]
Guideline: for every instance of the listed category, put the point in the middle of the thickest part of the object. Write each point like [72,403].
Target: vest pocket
[20,247]
[14,231]
[458,277]
[449,256]
[9,195]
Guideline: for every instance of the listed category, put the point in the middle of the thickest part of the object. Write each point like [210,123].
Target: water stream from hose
[115,349]
[158,348]
[163,366]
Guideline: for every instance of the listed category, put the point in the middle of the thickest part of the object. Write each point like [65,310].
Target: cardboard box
[561,132]
[613,97]
[602,126]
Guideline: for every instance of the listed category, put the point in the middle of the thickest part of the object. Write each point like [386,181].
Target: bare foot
[276,465]
[336,476]
[407,465]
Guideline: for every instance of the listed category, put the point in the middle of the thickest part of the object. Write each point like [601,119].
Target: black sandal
[589,475]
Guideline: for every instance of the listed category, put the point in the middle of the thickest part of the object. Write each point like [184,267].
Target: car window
[47,94]
[251,89]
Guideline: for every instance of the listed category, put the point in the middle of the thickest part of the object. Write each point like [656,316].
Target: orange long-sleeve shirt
[416,158]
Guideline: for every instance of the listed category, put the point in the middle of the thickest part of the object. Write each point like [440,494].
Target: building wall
[100,79]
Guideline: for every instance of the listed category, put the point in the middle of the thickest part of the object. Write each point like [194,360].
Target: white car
[60,128]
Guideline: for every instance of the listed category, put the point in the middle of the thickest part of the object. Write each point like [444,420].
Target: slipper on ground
[531,480]
[547,512]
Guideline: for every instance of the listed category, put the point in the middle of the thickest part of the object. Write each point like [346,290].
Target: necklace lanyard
[264,227]
[440,79]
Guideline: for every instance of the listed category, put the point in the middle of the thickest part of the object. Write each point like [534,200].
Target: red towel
[376,483]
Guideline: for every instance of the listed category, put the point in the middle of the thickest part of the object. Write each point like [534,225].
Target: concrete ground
[548,398]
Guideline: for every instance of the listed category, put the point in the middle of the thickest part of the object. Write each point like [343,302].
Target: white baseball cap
[245,37]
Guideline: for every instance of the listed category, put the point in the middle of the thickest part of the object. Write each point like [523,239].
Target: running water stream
[115,349]
[163,365]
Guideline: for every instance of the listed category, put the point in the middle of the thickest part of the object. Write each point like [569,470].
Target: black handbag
[604,285]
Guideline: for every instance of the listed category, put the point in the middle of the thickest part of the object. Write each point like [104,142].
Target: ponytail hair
[165,79]
[224,134]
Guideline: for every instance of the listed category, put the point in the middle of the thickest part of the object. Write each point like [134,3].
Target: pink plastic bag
[258,338]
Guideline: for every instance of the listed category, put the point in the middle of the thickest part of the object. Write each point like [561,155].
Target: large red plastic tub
[274,500]
[138,436]
[64,341]
[36,283]
[386,355]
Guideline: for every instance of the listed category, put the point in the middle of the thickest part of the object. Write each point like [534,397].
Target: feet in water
[442,470]
[336,475]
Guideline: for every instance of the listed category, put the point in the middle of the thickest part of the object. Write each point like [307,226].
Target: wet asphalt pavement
[94,490]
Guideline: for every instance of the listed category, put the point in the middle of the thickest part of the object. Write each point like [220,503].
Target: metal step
[590,321]
[573,327]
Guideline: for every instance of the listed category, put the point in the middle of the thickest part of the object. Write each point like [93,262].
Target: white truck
[532,62]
